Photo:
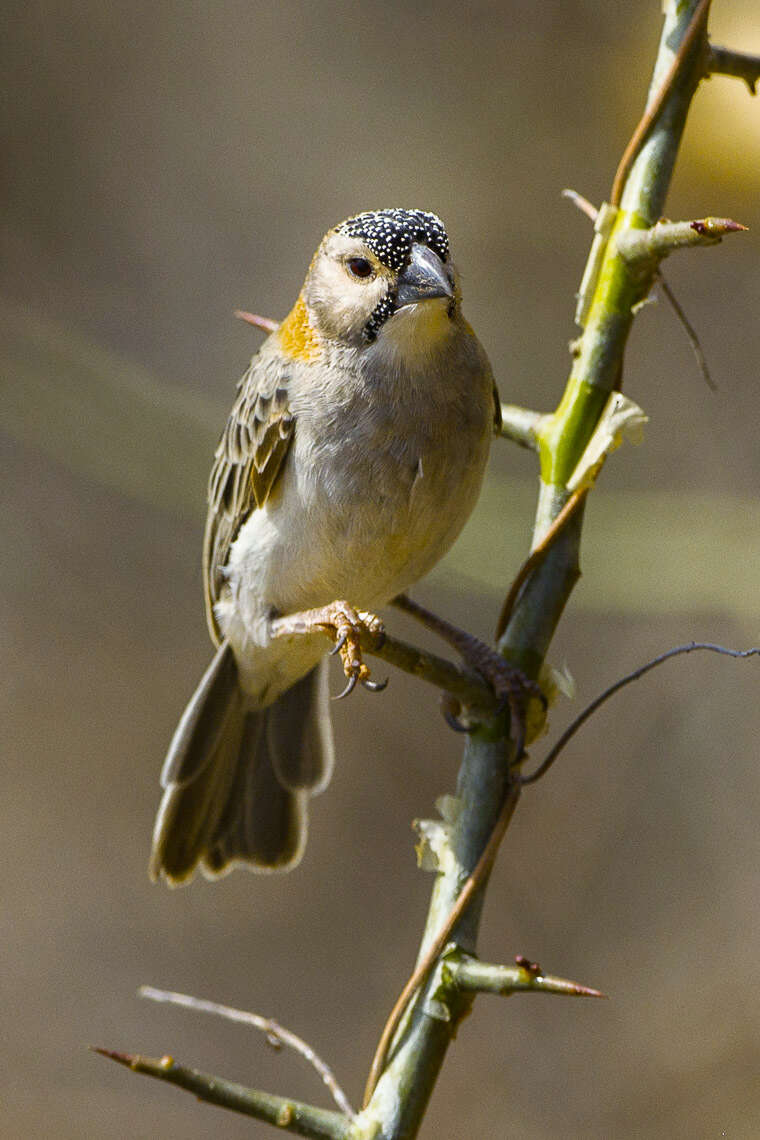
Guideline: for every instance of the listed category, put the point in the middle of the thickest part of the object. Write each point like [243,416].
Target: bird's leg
[511,687]
[345,625]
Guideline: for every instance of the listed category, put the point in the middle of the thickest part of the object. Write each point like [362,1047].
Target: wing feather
[247,461]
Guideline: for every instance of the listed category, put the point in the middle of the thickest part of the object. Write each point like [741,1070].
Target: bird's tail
[237,780]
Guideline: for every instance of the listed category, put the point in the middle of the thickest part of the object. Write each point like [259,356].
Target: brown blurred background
[166,163]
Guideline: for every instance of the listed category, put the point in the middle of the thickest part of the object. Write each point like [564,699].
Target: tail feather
[237,781]
[204,721]
[299,734]
[264,823]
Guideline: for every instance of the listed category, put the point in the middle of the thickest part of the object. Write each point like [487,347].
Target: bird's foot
[346,626]
[511,687]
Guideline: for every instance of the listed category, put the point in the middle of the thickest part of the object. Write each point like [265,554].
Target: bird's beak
[423,278]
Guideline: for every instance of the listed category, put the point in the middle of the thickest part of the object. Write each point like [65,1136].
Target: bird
[352,457]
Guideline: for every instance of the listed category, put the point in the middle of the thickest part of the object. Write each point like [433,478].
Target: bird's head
[385,274]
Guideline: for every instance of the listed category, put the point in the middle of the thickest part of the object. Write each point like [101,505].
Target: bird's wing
[247,462]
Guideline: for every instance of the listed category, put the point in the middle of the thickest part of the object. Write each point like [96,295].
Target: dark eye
[359,267]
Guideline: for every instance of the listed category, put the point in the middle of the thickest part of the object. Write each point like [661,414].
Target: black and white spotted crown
[390,234]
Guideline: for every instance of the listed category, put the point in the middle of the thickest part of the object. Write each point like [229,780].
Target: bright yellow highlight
[297,337]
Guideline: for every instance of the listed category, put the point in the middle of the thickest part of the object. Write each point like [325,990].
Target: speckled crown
[390,234]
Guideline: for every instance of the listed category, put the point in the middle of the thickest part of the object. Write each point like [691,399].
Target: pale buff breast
[384,470]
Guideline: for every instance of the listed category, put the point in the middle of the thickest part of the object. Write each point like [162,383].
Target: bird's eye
[359,267]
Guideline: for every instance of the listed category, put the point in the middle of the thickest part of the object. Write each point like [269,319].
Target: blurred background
[167,163]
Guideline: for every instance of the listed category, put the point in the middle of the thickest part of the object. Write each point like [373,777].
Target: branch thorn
[266,324]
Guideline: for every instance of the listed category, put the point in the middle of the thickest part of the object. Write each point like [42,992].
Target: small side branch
[591,212]
[277,1035]
[290,1115]
[473,976]
[644,247]
[521,425]
[739,64]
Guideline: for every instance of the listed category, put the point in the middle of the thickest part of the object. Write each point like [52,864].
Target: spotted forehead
[390,234]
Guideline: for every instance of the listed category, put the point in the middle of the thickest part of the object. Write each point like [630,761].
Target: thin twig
[284,1112]
[582,717]
[277,1035]
[652,111]
[691,332]
[738,64]
[536,556]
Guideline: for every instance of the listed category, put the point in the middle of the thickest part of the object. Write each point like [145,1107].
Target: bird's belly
[362,534]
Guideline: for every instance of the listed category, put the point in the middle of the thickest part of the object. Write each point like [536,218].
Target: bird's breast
[382,474]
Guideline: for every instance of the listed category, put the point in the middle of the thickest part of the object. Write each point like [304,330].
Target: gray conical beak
[423,278]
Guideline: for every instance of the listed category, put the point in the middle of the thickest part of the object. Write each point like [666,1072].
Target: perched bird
[352,457]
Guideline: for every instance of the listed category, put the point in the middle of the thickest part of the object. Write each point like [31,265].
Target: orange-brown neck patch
[298,338]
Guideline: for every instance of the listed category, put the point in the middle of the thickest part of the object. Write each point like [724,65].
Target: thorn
[586,991]
[714,227]
[264,323]
[581,203]
[556,985]
[121,1058]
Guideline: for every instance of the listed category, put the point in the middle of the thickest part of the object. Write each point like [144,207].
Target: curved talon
[375,686]
[448,706]
[351,685]
[519,739]
[454,723]
[380,639]
[341,641]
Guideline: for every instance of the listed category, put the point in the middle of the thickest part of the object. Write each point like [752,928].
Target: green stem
[397,1106]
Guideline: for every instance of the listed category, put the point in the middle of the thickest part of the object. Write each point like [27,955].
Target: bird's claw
[450,709]
[511,688]
[513,691]
[375,686]
[347,626]
[350,686]
[339,643]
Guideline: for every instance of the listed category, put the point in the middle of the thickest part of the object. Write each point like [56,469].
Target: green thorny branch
[630,242]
